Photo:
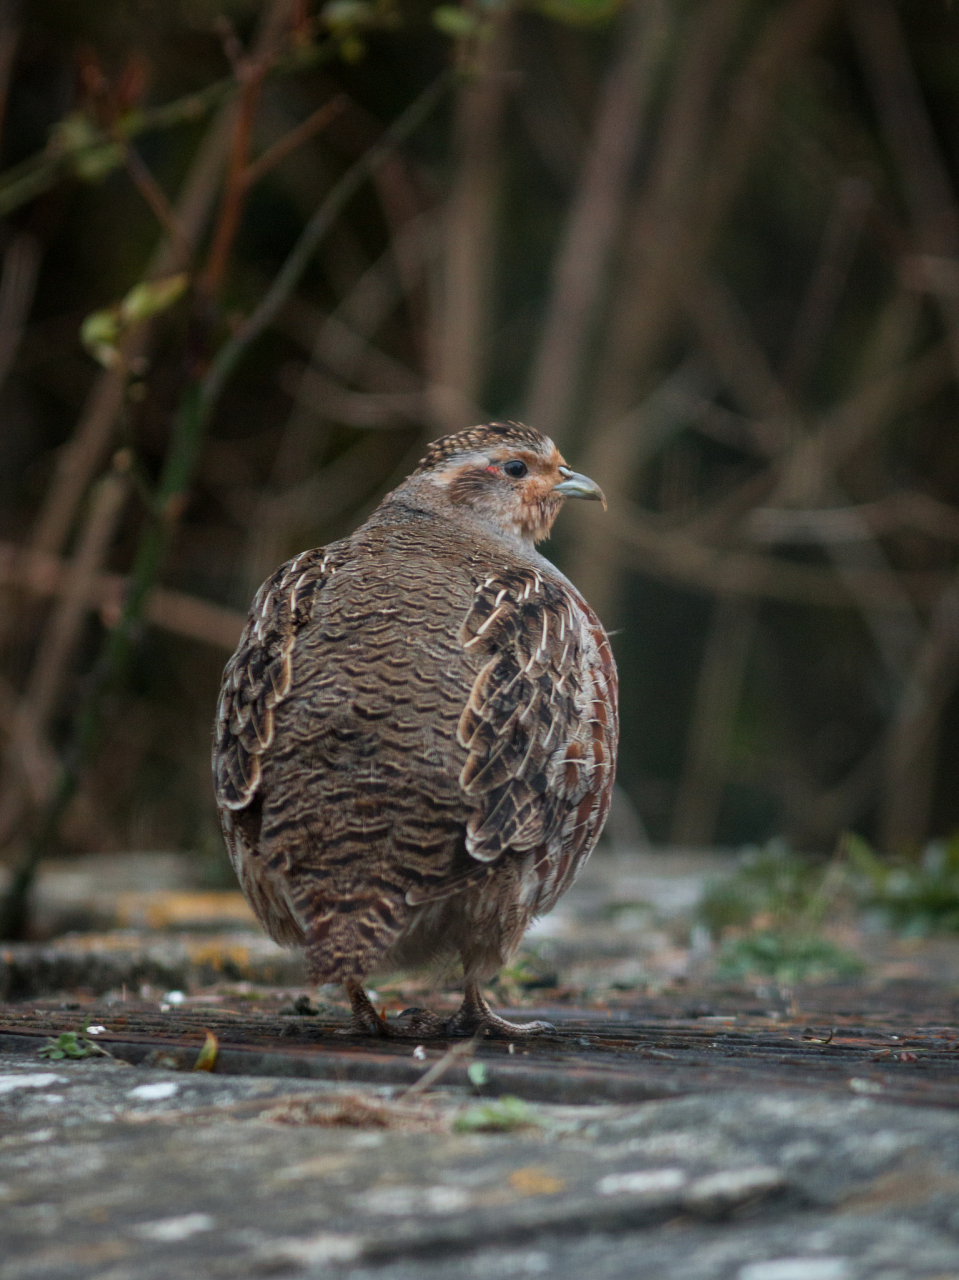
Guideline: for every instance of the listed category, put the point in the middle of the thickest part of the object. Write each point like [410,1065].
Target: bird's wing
[540,724]
[258,676]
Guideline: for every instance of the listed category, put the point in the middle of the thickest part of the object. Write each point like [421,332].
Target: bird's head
[508,475]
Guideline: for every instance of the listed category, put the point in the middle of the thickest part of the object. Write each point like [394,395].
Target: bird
[415,741]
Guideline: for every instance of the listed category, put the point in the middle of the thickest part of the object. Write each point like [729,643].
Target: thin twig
[580,265]
[9,40]
[914,729]
[155,197]
[80,457]
[439,1069]
[339,340]
[231,206]
[363,409]
[897,511]
[286,145]
[716,702]
[35,760]
[911,139]
[329,210]
[61,632]
[713,570]
[839,243]
[458,339]
[21,264]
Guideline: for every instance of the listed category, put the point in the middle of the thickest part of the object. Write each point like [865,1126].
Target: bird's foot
[365,1020]
[416,1023]
[497,1027]
[474,1015]
[375,1026]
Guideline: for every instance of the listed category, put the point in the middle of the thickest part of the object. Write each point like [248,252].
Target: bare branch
[331,400]
[43,574]
[897,511]
[26,747]
[21,264]
[715,570]
[912,736]
[155,197]
[717,698]
[579,272]
[458,339]
[286,145]
[839,243]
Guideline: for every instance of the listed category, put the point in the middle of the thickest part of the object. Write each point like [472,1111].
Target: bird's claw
[417,1023]
[493,1025]
[363,1026]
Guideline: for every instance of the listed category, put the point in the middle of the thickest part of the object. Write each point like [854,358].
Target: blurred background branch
[711,247]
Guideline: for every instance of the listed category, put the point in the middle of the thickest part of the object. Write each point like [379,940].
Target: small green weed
[73,1044]
[478,1075]
[773,884]
[773,907]
[501,1116]
[528,972]
[917,895]
[785,958]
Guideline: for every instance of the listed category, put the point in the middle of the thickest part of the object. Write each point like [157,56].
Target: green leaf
[477,1073]
[455,22]
[348,13]
[100,333]
[68,1044]
[150,297]
[95,164]
[73,133]
[785,958]
[505,1114]
[102,330]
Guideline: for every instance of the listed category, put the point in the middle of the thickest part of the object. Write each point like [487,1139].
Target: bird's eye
[516,469]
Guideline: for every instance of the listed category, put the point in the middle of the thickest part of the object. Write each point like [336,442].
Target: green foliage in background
[775,885]
[785,958]
[915,896]
[767,917]
[773,908]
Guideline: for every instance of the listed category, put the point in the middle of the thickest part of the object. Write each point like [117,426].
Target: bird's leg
[475,1013]
[365,1020]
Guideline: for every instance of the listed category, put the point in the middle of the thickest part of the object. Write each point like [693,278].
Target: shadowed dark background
[711,247]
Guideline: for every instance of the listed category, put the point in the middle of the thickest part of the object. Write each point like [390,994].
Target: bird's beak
[574,485]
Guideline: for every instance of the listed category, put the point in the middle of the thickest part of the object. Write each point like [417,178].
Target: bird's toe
[500,1027]
[417,1023]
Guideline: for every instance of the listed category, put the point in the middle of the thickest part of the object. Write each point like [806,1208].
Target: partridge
[416,737]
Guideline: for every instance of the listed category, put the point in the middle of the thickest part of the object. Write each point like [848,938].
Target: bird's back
[361,801]
[416,737]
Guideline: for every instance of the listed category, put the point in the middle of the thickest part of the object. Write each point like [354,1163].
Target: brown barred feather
[416,737]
